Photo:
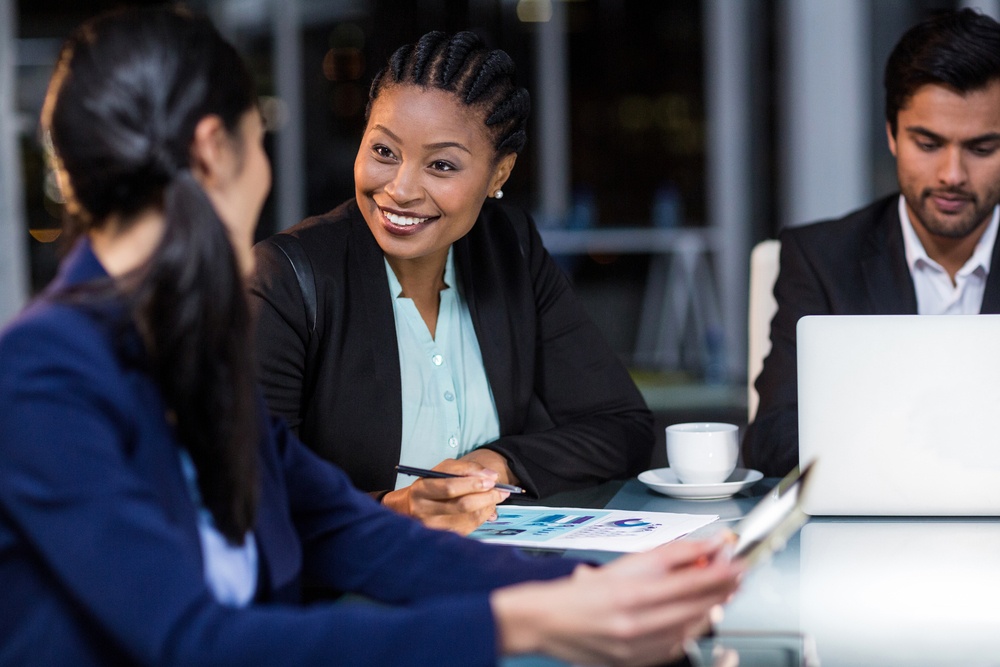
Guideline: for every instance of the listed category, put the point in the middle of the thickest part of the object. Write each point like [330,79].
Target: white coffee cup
[702,452]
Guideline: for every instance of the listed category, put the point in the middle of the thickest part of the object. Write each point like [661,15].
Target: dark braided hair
[959,50]
[461,64]
[121,111]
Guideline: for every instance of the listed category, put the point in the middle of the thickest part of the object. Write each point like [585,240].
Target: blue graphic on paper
[543,525]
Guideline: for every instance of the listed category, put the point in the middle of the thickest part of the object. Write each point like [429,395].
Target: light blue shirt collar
[396,289]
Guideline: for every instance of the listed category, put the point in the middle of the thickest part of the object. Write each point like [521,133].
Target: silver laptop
[901,414]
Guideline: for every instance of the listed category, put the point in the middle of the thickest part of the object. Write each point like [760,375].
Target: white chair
[763,272]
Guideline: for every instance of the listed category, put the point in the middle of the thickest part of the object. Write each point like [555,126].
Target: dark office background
[636,116]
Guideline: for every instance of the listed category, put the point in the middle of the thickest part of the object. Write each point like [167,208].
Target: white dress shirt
[936,294]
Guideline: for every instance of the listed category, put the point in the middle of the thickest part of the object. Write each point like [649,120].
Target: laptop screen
[901,414]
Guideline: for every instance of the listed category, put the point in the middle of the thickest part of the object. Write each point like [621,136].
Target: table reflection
[857,591]
[901,592]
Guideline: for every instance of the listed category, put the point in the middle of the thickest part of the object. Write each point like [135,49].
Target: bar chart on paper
[575,528]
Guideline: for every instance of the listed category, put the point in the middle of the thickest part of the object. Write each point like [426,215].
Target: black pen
[423,472]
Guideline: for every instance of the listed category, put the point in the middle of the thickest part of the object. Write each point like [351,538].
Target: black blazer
[852,266]
[570,415]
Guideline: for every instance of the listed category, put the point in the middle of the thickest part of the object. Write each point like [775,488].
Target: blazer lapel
[367,260]
[481,290]
[991,297]
[883,265]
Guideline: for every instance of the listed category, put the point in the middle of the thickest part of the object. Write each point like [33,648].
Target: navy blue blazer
[570,415]
[100,559]
[855,265]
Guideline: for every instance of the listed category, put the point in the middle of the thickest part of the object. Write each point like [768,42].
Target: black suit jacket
[570,415]
[852,266]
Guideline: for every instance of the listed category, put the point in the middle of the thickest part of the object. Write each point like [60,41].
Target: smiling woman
[151,512]
[445,335]
[421,180]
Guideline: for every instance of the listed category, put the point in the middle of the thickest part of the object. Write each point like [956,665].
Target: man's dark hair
[959,50]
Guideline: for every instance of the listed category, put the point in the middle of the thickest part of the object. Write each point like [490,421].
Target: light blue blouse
[448,406]
[230,571]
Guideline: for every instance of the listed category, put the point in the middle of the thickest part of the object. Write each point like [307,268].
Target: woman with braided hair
[424,323]
[151,513]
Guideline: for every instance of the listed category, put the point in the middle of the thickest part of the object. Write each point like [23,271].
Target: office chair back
[763,272]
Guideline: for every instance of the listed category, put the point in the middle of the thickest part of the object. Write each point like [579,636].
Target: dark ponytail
[121,112]
[461,64]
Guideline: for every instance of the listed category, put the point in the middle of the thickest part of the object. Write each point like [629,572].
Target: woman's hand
[638,610]
[460,504]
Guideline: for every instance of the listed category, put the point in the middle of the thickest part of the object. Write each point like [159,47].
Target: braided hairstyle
[479,77]
[120,115]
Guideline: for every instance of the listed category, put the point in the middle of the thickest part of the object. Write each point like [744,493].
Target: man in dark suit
[926,250]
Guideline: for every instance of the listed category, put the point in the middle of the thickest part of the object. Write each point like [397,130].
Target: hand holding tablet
[766,528]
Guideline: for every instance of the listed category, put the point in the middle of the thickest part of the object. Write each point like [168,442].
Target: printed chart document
[600,530]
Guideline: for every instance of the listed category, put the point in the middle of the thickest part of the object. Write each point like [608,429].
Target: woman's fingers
[467,469]
[456,496]
[638,610]
[676,600]
[668,557]
[460,504]
[682,553]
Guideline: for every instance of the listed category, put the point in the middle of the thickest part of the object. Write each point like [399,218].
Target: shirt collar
[396,289]
[79,266]
[982,255]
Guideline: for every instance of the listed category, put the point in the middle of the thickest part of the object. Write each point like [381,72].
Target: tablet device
[766,528]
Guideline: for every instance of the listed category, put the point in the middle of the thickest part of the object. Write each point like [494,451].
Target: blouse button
[453,441]
[437,360]
[448,396]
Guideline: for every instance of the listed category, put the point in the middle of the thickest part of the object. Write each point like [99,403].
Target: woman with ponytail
[424,323]
[151,513]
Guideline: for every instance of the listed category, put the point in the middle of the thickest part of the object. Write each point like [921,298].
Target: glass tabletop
[854,591]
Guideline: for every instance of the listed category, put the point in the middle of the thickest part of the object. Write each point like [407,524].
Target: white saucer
[663,480]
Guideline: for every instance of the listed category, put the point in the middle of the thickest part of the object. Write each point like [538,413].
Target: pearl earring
[498,194]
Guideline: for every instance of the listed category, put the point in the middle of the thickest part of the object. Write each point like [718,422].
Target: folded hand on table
[637,610]
[459,504]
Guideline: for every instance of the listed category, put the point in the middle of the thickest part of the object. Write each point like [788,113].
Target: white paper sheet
[576,528]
